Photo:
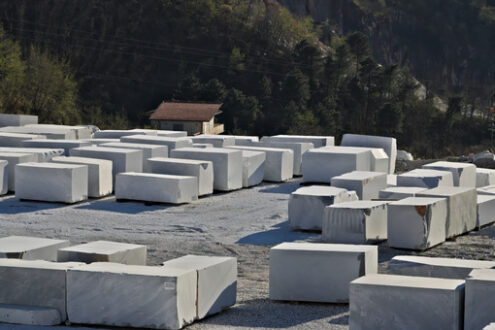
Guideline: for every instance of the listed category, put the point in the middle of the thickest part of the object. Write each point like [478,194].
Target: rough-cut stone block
[112,294]
[40,154]
[57,133]
[417,223]
[117,134]
[318,141]
[13,159]
[99,174]
[253,167]
[318,272]
[356,222]
[388,144]
[397,193]
[307,205]
[217,281]
[56,144]
[30,248]
[159,188]
[464,174]
[149,150]
[461,207]
[227,165]
[29,315]
[34,283]
[425,178]
[102,141]
[202,170]
[51,182]
[485,177]
[405,302]
[486,210]
[240,139]
[171,142]
[104,251]
[436,267]
[17,120]
[367,185]
[279,163]
[4,177]
[479,303]
[17,139]
[218,141]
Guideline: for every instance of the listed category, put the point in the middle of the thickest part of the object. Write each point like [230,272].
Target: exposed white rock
[485,177]
[17,139]
[104,251]
[318,141]
[30,248]
[391,180]
[149,150]
[480,290]
[425,178]
[367,185]
[80,132]
[14,158]
[464,174]
[397,193]
[404,155]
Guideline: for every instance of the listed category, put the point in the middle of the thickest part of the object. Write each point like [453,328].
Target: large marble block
[279,163]
[479,303]
[253,167]
[56,133]
[217,281]
[485,177]
[80,132]
[56,144]
[461,207]
[158,188]
[7,119]
[202,170]
[464,174]
[391,180]
[239,140]
[425,178]
[51,182]
[382,301]
[102,141]
[30,248]
[356,222]
[149,150]
[436,267]
[171,142]
[367,185]
[111,294]
[14,158]
[307,271]
[318,141]
[123,160]
[417,223]
[99,174]
[40,154]
[104,251]
[29,315]
[202,145]
[17,139]
[4,177]
[397,193]
[227,165]
[171,133]
[379,161]
[486,210]
[218,141]
[307,205]
[117,133]
[488,190]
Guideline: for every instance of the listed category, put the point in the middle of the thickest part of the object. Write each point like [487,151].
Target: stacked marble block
[479,304]
[486,210]
[367,185]
[117,134]
[149,150]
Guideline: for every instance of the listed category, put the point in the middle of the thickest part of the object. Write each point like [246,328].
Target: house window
[178,127]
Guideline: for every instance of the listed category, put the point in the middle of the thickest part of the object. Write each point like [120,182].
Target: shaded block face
[425,178]
[149,150]
[4,177]
[217,281]
[488,190]
[405,302]
[318,141]
[51,182]
[56,144]
[253,168]
[356,222]
[485,177]
[104,251]
[170,142]
[479,303]
[30,248]
[17,139]
[161,297]
[13,159]
[367,185]
[29,315]
[397,193]
[307,205]
[464,174]
[218,141]
[306,271]
[40,154]
[417,223]
[486,210]
[240,139]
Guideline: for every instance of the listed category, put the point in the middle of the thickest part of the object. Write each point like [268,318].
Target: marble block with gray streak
[479,302]
[464,174]
[367,185]
[117,134]
[30,248]
[104,251]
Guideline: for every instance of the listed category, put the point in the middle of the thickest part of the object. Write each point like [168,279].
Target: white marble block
[56,133]
[7,119]
[240,139]
[14,158]
[102,141]
[111,294]
[479,303]
[79,132]
[171,142]
[318,141]
[485,177]
[149,150]
[56,144]
[307,271]
[117,134]
[30,248]
[202,145]
[417,223]
[279,163]
[4,177]
[382,301]
[227,165]
[461,207]
[17,139]
[104,251]
[388,144]
[490,326]
[307,205]
[29,315]
[202,170]
[367,185]
[425,178]
[486,210]
[436,267]
[379,161]
[397,193]
[217,281]
[356,222]
[123,160]
[51,182]
[171,133]
[488,190]
[34,283]
[40,154]
[253,167]
[99,174]
[158,188]
[218,141]
[391,180]
[464,174]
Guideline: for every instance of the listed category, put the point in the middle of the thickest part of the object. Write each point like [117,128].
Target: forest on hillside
[274,72]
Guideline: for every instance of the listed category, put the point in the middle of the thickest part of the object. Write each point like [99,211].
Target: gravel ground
[244,224]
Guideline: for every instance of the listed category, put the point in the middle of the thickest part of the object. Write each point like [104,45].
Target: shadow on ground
[284,188]
[281,233]
[111,205]
[11,205]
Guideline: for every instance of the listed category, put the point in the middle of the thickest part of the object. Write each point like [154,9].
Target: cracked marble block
[318,141]
[382,301]
[253,167]
[307,205]
[158,188]
[14,158]
[479,303]
[317,272]
[464,174]
[170,142]
[117,134]
[436,267]
[356,222]
[7,119]
[17,139]
[218,141]
[149,150]
[486,210]
[110,294]
[367,185]
[51,182]
[56,144]
[397,193]
[227,165]
[485,177]
[425,178]
[30,248]
[202,170]
[35,283]
[104,251]
[417,223]
[217,281]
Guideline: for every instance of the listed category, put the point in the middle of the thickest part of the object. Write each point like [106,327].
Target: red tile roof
[186,111]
